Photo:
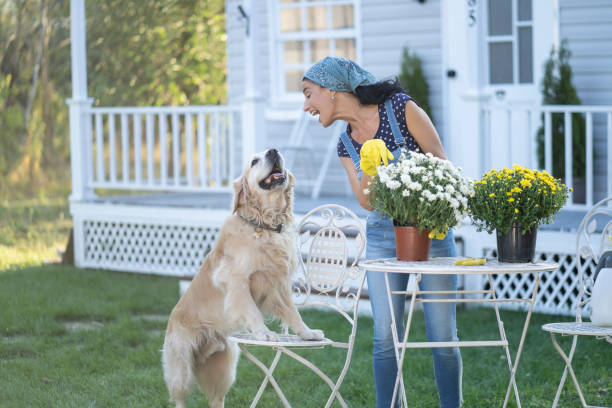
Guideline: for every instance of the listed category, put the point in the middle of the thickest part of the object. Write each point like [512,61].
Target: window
[305,31]
[509,40]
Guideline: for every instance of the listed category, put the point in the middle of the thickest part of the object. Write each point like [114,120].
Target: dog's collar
[259,226]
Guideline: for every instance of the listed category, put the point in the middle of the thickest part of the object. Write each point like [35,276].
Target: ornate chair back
[331,242]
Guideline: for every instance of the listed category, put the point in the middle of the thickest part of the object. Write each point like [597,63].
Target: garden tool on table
[470,261]
[372,153]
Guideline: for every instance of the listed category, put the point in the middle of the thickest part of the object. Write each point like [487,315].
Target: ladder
[297,144]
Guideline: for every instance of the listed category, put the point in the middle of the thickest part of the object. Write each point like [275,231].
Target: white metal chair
[328,278]
[591,242]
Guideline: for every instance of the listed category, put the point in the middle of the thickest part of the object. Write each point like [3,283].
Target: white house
[483,60]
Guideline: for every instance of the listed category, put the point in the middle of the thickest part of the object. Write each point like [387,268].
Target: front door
[506,44]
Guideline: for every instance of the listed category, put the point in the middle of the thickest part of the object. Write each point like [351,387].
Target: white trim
[211,217]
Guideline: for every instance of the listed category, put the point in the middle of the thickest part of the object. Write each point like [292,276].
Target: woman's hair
[379,92]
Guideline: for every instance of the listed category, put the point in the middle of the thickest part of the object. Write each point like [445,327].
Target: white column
[80,133]
[253,124]
[80,128]
[463,96]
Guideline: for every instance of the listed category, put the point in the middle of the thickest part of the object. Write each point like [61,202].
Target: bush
[557,89]
[412,79]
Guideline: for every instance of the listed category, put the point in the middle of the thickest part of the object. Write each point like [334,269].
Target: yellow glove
[437,234]
[372,153]
[471,261]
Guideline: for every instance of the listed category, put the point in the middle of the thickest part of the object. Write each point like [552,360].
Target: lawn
[88,338]
[33,231]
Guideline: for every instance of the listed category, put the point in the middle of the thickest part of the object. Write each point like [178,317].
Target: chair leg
[568,367]
[269,377]
[334,386]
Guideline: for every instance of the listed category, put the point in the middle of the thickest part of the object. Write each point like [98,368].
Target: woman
[383,119]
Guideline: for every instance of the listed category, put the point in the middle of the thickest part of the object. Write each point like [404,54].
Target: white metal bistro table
[445,266]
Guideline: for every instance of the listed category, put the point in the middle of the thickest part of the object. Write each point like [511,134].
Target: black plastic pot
[515,247]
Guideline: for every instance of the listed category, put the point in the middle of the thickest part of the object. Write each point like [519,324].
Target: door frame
[465,93]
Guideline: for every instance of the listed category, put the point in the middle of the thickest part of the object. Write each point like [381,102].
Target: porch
[156,187]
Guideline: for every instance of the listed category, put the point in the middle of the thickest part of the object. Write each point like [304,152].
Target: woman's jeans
[440,319]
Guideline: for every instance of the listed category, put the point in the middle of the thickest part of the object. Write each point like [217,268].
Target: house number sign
[471,12]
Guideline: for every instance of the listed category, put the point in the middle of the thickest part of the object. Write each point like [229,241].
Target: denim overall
[439,317]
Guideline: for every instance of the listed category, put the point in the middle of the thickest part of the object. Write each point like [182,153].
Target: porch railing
[189,148]
[509,135]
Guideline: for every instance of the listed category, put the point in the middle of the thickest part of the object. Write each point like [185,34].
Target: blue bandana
[339,74]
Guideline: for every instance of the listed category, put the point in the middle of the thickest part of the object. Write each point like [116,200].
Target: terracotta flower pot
[410,245]
[515,246]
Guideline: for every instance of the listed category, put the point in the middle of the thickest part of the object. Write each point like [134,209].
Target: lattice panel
[149,248]
[558,292]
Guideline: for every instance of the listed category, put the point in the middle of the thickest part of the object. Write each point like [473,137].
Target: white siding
[235,52]
[587,25]
[236,63]
[388,26]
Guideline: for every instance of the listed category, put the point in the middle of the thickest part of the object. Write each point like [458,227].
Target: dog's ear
[241,189]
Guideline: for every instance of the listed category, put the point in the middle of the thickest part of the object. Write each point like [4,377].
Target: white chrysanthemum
[406,179]
[393,184]
[423,181]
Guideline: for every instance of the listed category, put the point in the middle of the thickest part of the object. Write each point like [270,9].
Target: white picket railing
[509,132]
[188,148]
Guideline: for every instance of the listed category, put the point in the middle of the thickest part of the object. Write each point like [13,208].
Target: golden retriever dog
[245,276]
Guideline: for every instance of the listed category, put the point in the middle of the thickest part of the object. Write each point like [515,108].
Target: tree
[158,53]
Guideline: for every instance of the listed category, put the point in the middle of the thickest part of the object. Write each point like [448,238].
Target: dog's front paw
[312,334]
[266,335]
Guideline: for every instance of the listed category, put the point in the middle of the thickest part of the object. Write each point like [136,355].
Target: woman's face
[318,101]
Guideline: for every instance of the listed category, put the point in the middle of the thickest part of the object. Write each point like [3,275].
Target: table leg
[502,334]
[568,367]
[406,333]
[399,379]
[514,366]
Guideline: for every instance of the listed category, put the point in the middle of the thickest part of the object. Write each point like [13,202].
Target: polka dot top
[384,132]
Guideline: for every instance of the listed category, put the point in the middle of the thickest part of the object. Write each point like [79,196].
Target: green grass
[33,231]
[114,359]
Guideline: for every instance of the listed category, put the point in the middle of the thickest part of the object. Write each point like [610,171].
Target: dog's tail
[178,364]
